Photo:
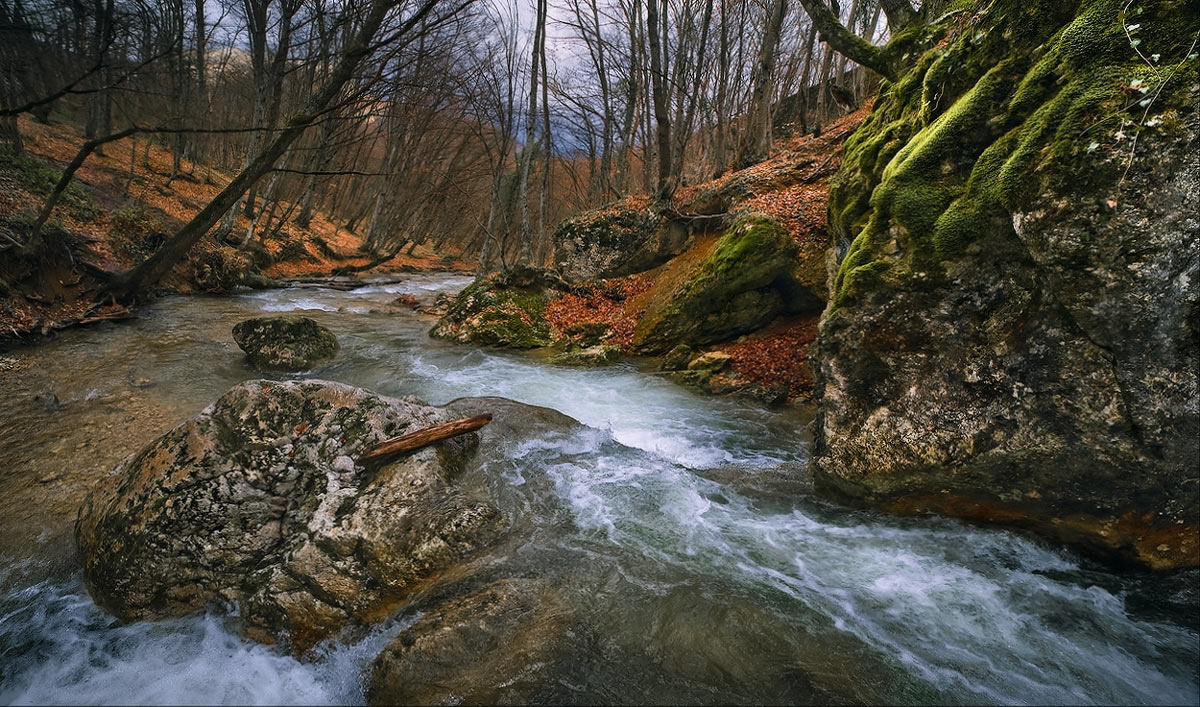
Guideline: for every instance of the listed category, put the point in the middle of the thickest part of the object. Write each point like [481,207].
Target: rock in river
[285,343]
[257,503]
[491,646]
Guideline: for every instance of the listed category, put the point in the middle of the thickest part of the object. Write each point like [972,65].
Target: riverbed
[681,532]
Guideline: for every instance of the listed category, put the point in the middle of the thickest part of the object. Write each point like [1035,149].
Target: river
[699,566]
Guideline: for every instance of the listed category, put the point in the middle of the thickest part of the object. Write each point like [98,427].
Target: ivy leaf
[1092,147]
[1134,43]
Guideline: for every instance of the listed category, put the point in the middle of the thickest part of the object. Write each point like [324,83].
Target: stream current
[697,563]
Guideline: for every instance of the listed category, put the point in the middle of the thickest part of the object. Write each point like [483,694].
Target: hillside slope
[120,206]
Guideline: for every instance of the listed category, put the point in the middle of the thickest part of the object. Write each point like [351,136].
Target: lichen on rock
[257,503]
[617,240]
[285,343]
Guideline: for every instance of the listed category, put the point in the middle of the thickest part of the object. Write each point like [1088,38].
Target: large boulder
[741,284]
[257,503]
[285,343]
[1015,332]
[621,239]
[505,309]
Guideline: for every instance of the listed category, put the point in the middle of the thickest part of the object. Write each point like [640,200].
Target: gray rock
[257,503]
[677,359]
[285,343]
[615,241]
[713,362]
[1047,378]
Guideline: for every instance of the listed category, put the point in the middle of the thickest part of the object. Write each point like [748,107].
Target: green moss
[723,293]
[493,312]
[859,280]
[41,178]
[1015,99]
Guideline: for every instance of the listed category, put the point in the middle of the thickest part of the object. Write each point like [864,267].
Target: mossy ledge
[1014,98]
[737,288]
[1014,332]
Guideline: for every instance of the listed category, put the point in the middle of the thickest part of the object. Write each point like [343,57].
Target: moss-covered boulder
[257,503]
[1014,331]
[621,239]
[738,287]
[505,309]
[285,343]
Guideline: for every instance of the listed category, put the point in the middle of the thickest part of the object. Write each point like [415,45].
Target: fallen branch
[113,316]
[421,438]
[677,215]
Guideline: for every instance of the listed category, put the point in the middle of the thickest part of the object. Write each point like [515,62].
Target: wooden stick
[422,438]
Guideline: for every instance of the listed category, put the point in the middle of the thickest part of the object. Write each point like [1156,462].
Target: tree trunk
[662,116]
[158,264]
[843,40]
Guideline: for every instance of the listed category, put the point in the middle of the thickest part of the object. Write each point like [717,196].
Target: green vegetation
[41,178]
[1013,99]
[493,312]
[727,294]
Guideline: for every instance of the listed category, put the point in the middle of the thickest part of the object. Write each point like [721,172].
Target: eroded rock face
[490,646]
[257,503]
[285,343]
[1026,349]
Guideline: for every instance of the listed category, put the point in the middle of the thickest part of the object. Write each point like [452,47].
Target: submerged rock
[492,646]
[1014,335]
[257,503]
[285,343]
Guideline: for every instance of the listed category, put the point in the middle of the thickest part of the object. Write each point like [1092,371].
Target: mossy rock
[588,357]
[1014,99]
[736,289]
[1013,324]
[504,310]
[588,334]
[285,343]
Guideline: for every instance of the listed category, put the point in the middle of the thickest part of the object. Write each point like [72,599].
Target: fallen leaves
[778,355]
[611,302]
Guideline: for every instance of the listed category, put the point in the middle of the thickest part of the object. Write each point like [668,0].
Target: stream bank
[680,530]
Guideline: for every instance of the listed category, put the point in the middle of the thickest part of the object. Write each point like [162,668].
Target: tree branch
[850,45]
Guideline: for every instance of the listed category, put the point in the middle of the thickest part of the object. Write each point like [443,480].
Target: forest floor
[121,205]
[792,186]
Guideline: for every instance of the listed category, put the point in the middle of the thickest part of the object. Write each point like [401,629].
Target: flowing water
[679,529]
